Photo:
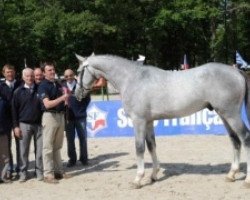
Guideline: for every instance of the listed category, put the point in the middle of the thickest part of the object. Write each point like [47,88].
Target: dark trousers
[18,158]
[4,156]
[79,127]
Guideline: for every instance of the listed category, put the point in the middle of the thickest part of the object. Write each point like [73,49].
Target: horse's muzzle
[80,93]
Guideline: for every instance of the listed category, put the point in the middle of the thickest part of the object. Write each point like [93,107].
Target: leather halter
[81,77]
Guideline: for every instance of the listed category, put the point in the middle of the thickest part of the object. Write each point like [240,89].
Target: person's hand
[64,98]
[66,93]
[99,83]
[18,133]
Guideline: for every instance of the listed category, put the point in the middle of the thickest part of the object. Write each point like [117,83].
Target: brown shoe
[50,179]
[60,176]
[9,175]
[5,181]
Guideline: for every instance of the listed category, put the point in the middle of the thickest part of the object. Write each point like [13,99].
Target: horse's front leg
[140,132]
[151,144]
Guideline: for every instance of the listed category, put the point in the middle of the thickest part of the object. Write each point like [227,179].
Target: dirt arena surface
[192,167]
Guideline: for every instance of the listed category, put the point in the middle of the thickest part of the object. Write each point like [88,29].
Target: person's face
[9,74]
[38,75]
[49,72]
[69,76]
[29,77]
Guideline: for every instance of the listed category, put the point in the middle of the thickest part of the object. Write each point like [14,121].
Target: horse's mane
[119,59]
[126,62]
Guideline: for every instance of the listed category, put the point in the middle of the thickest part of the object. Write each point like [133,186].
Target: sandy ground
[192,167]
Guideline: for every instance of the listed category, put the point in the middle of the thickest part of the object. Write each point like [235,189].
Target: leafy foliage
[162,30]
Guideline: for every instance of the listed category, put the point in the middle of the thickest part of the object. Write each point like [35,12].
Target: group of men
[40,107]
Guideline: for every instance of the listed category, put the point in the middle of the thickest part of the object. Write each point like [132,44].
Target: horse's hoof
[246,185]
[136,186]
[153,179]
[229,179]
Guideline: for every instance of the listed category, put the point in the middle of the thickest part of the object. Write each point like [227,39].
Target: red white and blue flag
[185,64]
[240,61]
[96,120]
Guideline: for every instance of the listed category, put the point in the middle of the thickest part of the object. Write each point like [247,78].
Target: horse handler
[53,123]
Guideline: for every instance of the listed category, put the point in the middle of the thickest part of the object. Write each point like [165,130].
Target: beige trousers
[53,133]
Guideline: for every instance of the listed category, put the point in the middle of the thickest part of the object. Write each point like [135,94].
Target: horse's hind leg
[238,134]
[245,140]
[247,147]
[151,144]
[236,151]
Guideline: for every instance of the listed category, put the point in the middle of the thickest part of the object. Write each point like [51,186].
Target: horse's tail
[247,95]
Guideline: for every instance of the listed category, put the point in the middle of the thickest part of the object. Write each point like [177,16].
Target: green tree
[161,30]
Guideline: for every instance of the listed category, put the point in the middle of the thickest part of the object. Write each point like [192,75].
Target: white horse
[149,93]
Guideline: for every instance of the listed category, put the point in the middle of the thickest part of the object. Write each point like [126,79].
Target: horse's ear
[80,58]
[93,54]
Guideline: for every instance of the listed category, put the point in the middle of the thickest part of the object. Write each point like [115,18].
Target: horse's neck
[118,76]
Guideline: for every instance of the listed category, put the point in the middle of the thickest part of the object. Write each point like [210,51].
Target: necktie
[31,90]
[11,86]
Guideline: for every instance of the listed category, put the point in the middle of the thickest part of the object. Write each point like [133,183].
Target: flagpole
[240,62]
[25,63]
[185,64]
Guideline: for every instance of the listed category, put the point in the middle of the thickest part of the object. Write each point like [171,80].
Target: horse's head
[85,78]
